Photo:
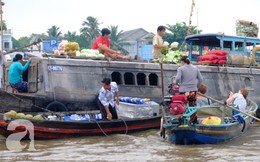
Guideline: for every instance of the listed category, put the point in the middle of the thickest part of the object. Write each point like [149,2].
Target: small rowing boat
[200,125]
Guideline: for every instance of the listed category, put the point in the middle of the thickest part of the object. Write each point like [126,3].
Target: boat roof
[213,39]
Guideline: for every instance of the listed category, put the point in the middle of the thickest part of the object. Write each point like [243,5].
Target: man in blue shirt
[108,97]
[15,74]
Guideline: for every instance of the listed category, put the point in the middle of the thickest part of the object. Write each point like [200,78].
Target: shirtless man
[102,43]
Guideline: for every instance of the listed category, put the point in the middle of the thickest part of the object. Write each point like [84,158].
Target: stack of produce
[14,114]
[218,57]
[91,53]
[71,48]
[172,57]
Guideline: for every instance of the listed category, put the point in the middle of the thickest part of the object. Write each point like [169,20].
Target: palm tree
[90,29]
[116,38]
[34,37]
[54,32]
[4,25]
[70,36]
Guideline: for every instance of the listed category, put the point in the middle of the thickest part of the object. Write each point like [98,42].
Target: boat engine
[178,102]
[175,101]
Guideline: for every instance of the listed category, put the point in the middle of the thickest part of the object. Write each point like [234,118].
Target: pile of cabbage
[91,53]
[171,55]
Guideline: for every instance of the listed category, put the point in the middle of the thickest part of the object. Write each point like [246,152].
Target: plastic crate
[129,110]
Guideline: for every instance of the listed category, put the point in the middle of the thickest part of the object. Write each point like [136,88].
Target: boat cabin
[202,43]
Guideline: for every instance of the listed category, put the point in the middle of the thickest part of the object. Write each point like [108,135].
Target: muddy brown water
[144,146]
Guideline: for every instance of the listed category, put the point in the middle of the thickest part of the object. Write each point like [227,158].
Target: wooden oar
[163,119]
[233,108]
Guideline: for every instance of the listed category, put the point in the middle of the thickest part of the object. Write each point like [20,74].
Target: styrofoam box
[129,110]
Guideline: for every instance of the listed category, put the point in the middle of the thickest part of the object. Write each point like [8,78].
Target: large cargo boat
[73,83]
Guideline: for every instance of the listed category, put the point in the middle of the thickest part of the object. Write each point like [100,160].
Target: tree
[83,43]
[24,41]
[70,36]
[34,37]
[116,39]
[178,32]
[4,25]
[90,29]
[16,43]
[54,32]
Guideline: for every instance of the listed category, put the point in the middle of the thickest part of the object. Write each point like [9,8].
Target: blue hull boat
[183,132]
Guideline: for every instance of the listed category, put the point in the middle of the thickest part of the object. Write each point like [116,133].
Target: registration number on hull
[55,68]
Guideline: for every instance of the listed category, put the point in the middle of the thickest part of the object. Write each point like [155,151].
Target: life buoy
[254,50]
[56,106]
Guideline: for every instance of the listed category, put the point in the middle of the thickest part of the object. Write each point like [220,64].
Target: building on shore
[135,39]
[8,45]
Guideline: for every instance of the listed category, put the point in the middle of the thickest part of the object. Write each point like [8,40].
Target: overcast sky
[36,16]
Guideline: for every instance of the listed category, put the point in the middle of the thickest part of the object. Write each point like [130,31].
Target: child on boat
[238,99]
[202,101]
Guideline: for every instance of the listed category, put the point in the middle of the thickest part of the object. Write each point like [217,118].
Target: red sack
[222,62]
[180,98]
[221,57]
[177,108]
[205,62]
[216,52]
[210,57]
[200,58]
[209,61]
[214,61]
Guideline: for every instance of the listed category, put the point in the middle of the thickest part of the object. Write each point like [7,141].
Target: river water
[144,146]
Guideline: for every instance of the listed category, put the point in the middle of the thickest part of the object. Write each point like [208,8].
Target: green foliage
[16,43]
[115,39]
[34,37]
[4,25]
[83,43]
[70,36]
[178,32]
[90,29]
[24,41]
[54,32]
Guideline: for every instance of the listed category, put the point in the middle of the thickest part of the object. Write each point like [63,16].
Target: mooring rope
[126,127]
[100,128]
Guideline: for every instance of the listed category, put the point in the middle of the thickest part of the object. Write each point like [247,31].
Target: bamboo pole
[2,41]
[229,106]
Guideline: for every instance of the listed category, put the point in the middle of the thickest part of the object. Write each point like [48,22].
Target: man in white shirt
[158,43]
[108,97]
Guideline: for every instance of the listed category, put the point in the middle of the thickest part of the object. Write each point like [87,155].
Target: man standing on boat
[107,98]
[102,43]
[158,43]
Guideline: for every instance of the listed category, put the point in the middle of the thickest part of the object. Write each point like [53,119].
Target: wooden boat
[181,131]
[55,129]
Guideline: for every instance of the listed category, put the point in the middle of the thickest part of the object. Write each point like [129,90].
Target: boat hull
[78,84]
[207,134]
[48,129]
